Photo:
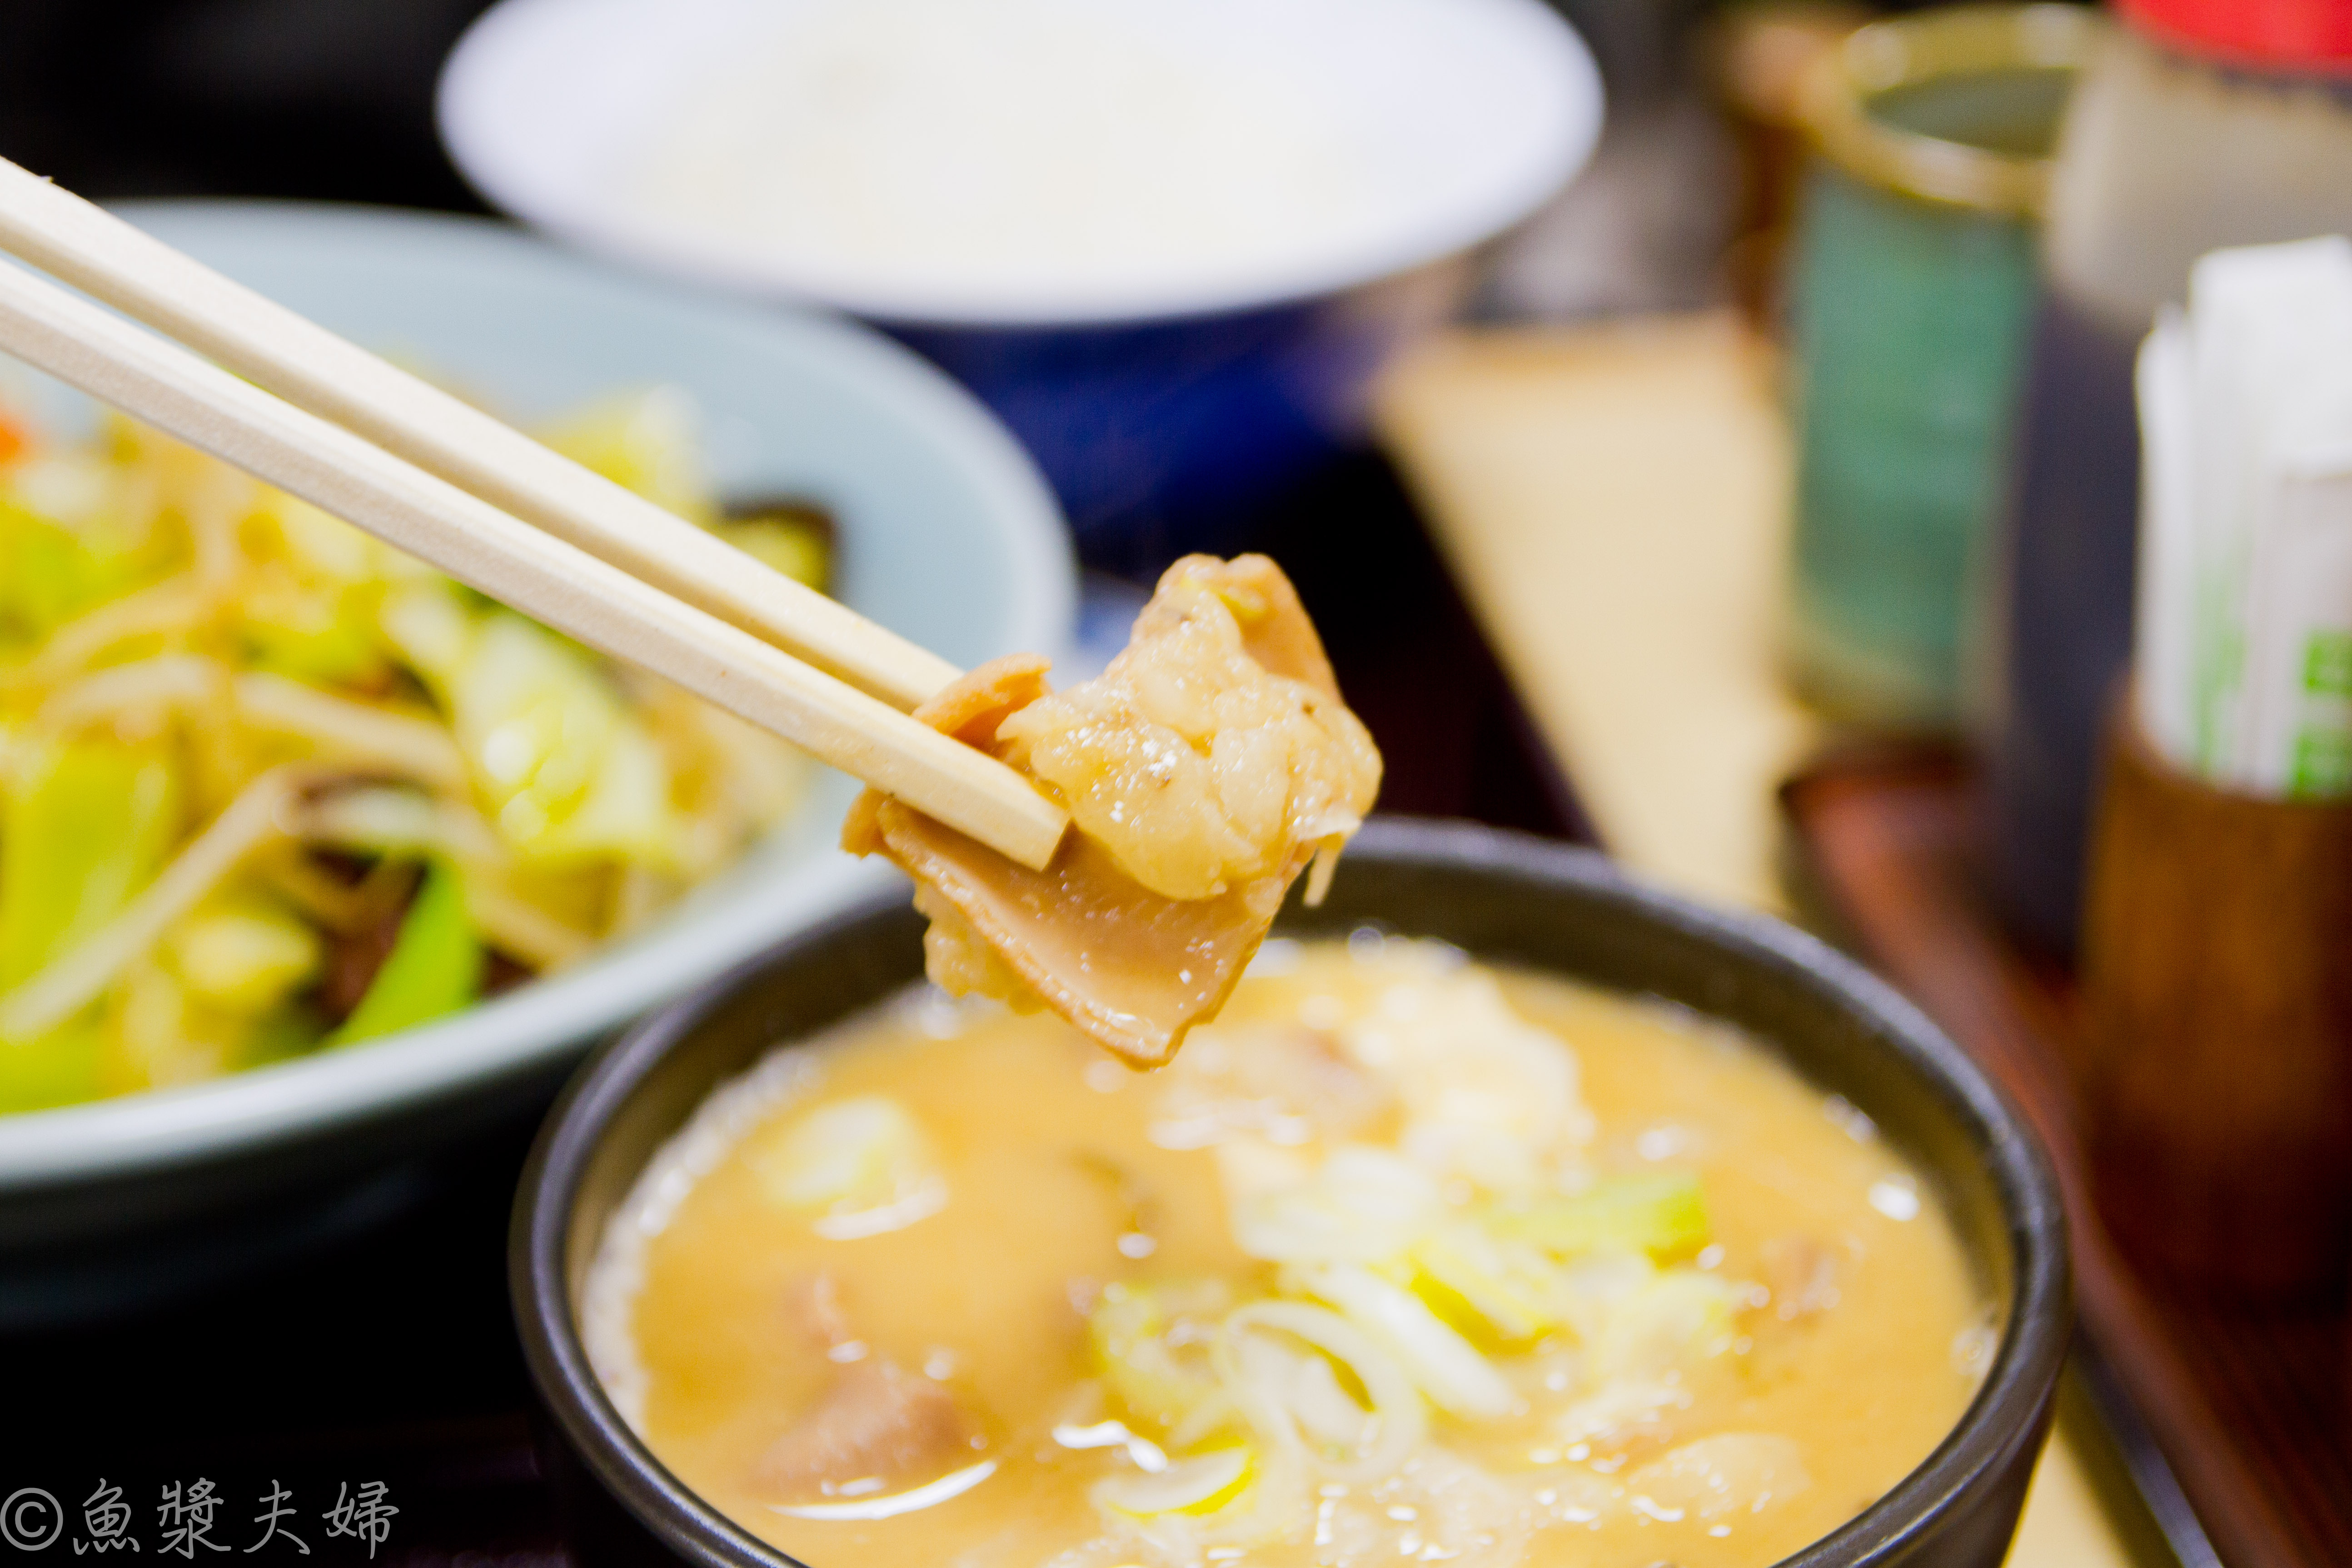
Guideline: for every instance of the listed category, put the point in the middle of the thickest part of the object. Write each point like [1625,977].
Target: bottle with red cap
[2198,124]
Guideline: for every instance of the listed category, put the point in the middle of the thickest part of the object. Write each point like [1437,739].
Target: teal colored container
[1912,291]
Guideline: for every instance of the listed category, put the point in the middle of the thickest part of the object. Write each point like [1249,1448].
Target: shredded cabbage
[1475,1269]
[1491,1288]
[245,954]
[1363,1205]
[863,1164]
[1678,1316]
[309,718]
[1663,1216]
[1150,1344]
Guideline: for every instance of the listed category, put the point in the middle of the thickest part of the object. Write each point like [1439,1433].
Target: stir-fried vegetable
[645,442]
[565,771]
[86,827]
[60,1067]
[266,784]
[247,955]
[434,967]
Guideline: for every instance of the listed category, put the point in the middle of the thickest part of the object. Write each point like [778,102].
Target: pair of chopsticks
[425,473]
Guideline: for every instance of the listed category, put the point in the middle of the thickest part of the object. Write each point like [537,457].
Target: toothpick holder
[2216,1072]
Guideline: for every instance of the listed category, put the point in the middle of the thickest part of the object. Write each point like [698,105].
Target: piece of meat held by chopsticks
[1208,766]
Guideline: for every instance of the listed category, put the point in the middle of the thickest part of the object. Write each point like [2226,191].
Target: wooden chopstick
[314,370]
[590,599]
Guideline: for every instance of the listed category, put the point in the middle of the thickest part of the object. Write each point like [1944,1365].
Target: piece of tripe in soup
[1204,771]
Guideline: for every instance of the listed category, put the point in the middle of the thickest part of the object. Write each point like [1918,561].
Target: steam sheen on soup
[1402,1259]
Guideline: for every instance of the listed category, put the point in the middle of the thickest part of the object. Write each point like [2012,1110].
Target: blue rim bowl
[947,534]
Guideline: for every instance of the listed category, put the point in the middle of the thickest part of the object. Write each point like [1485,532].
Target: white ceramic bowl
[947,534]
[1472,112]
[1167,402]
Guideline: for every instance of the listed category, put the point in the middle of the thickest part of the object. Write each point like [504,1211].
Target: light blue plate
[947,536]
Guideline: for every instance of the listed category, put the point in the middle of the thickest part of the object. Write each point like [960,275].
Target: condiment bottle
[2197,124]
[1912,290]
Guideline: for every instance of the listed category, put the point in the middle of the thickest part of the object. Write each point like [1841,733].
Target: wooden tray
[2250,1409]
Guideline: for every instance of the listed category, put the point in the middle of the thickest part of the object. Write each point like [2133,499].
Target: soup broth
[1403,1259]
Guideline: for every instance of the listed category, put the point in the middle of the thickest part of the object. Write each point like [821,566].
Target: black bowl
[1502,897]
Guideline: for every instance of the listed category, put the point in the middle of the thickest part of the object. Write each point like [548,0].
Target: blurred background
[320,100]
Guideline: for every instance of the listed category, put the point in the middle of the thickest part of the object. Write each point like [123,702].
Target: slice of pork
[1205,770]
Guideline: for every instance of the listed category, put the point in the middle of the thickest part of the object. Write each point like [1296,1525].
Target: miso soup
[1402,1259]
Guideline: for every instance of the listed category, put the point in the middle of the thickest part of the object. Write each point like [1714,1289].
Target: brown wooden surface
[2250,1406]
[2215,1060]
